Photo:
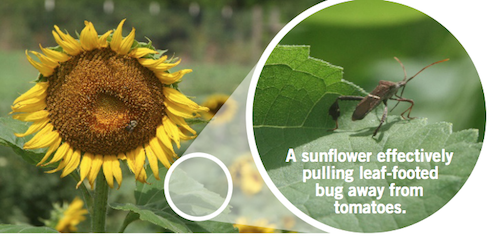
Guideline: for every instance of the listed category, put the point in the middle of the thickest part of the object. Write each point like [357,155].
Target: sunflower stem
[98,224]
[85,193]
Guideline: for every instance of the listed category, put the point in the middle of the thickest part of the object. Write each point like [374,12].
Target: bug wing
[368,103]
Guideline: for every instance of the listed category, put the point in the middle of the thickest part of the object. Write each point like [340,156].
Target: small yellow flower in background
[215,105]
[288,222]
[101,99]
[246,176]
[258,226]
[64,218]
[73,215]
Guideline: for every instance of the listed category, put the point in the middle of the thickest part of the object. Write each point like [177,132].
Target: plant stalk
[87,197]
[98,219]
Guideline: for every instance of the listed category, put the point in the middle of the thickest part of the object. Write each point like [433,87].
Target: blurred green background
[220,40]
[363,36]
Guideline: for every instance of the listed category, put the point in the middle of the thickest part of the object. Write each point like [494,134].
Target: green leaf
[291,111]
[8,127]
[211,226]
[153,214]
[292,100]
[151,204]
[7,228]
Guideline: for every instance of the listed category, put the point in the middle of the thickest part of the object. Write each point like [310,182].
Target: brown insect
[384,91]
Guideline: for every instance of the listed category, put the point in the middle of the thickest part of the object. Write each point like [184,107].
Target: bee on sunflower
[104,98]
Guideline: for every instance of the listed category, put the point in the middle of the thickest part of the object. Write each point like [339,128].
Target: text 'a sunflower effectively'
[101,99]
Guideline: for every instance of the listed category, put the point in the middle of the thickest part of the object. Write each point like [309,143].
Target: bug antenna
[404,70]
[426,68]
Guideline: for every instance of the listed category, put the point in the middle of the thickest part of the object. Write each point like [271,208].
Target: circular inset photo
[368,116]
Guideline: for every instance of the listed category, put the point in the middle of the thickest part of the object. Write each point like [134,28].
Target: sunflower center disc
[104,103]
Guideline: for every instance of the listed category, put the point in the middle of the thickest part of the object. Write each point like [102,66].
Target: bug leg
[399,96]
[334,110]
[382,120]
[407,110]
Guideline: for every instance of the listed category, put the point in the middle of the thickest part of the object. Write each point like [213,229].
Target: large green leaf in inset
[291,105]
[292,100]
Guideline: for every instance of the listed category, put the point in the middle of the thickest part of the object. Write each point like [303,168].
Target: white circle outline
[249,116]
[229,186]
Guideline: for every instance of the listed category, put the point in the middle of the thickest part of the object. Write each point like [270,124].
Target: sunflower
[72,216]
[65,218]
[222,105]
[246,176]
[104,98]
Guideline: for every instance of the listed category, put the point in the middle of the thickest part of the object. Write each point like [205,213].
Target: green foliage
[4,228]
[151,205]
[289,100]
[27,193]
[291,111]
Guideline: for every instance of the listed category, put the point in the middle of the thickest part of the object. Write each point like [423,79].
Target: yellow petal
[117,172]
[127,43]
[180,99]
[51,150]
[180,110]
[107,168]
[33,116]
[140,52]
[30,105]
[44,141]
[95,168]
[152,63]
[131,160]
[60,153]
[45,60]
[36,126]
[55,55]
[85,167]
[166,66]
[64,161]
[162,135]
[39,136]
[43,69]
[170,78]
[88,38]
[69,44]
[180,122]
[116,41]
[140,158]
[172,130]
[72,164]
[103,40]
[37,90]
[160,151]
[122,156]
[153,161]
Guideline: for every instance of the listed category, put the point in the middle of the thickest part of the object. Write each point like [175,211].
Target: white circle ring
[229,186]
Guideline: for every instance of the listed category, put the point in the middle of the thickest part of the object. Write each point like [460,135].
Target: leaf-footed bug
[384,91]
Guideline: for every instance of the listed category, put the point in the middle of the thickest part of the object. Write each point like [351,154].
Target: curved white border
[249,116]
[229,186]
